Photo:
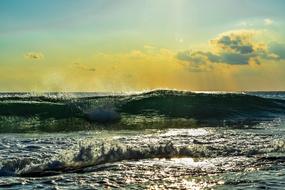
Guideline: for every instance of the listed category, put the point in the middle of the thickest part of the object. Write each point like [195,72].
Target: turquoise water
[160,139]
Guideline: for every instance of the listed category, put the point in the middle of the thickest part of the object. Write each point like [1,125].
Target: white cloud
[268,21]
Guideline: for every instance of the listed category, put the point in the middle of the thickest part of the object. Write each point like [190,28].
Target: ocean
[161,139]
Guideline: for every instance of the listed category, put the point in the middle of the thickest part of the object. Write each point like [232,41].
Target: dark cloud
[234,43]
[198,57]
[235,58]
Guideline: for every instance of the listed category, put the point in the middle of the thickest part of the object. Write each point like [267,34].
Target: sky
[136,45]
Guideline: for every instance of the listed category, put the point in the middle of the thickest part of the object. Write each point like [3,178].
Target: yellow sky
[134,45]
[153,67]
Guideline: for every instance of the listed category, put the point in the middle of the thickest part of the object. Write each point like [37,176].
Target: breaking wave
[94,156]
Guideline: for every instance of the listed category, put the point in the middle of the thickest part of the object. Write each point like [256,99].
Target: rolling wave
[202,106]
[161,108]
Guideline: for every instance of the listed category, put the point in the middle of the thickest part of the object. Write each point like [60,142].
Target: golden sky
[141,45]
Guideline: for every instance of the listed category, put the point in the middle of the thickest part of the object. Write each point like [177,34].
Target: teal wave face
[202,106]
[155,109]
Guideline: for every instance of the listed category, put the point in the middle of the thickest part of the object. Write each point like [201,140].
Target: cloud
[233,48]
[244,24]
[278,49]
[34,56]
[198,57]
[268,21]
[234,42]
[84,67]
[255,22]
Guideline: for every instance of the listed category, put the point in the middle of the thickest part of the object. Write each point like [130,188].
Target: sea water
[154,140]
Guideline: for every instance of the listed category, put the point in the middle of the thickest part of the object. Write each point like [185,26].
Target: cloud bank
[232,48]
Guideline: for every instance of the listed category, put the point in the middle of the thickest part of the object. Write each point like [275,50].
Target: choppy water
[155,140]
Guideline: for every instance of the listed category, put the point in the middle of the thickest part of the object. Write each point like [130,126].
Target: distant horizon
[142,91]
